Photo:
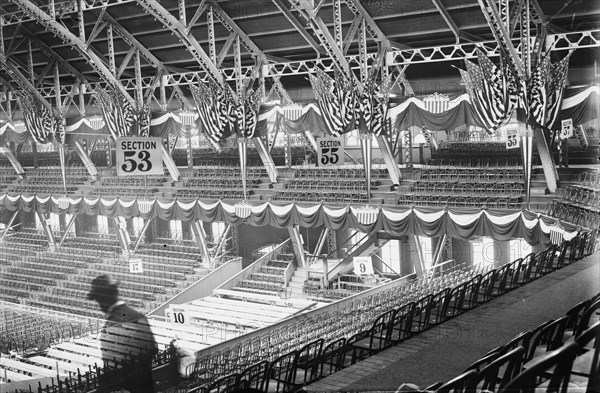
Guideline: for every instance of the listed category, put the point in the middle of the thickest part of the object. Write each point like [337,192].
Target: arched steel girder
[77,43]
[182,32]
[22,81]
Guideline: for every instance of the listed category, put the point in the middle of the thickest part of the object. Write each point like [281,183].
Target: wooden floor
[445,351]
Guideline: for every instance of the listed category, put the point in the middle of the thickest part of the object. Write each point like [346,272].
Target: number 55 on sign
[139,156]
[331,151]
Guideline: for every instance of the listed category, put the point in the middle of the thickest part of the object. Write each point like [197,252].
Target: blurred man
[126,339]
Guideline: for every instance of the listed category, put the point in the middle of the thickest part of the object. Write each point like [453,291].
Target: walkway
[445,351]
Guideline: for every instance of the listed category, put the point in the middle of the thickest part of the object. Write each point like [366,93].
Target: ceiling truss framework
[223,51]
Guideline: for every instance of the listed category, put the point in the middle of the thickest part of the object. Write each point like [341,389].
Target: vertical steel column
[337,23]
[210,25]
[80,20]
[111,49]
[139,95]
[407,147]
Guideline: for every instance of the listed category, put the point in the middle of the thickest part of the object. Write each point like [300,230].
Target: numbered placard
[512,141]
[139,156]
[330,151]
[135,266]
[566,129]
[363,266]
[177,316]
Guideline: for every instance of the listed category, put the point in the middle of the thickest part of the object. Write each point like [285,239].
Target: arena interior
[301,195]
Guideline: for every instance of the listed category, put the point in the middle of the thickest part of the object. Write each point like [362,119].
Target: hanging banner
[139,156]
[512,141]
[330,151]
[363,266]
[566,130]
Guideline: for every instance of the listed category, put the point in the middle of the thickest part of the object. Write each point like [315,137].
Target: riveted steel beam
[62,32]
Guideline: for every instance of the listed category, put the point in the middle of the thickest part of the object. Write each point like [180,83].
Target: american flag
[61,131]
[491,94]
[538,93]
[336,99]
[251,109]
[556,87]
[38,119]
[381,98]
[215,110]
[144,121]
[118,113]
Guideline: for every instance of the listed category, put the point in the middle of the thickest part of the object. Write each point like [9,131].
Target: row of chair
[512,202]
[558,355]
[317,196]
[473,175]
[573,214]
[581,197]
[392,325]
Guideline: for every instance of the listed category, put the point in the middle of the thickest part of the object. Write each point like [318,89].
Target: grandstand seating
[404,311]
[578,203]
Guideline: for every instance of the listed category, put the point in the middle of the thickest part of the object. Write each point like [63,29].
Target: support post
[200,235]
[141,234]
[298,245]
[366,145]
[420,267]
[69,226]
[320,243]
[169,163]
[325,281]
[122,235]
[47,231]
[13,160]
[390,161]
[266,158]
[9,225]
[527,155]
[547,160]
[89,165]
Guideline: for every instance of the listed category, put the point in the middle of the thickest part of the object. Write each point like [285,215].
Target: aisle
[444,351]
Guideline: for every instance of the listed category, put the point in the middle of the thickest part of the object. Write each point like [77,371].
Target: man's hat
[102,285]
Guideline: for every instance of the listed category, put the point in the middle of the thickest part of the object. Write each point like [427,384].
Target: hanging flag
[38,118]
[538,94]
[489,87]
[215,110]
[143,119]
[118,113]
[556,88]
[323,87]
[337,101]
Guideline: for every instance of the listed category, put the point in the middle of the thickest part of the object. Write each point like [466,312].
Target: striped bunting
[538,94]
[556,88]
[215,109]
[118,113]
[144,121]
[38,119]
[336,100]
[492,91]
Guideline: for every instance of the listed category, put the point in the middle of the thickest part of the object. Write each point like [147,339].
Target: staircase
[296,284]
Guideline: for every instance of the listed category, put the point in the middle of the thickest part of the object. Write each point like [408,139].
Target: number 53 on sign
[139,156]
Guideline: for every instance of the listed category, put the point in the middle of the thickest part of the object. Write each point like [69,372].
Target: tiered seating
[25,328]
[369,324]
[127,186]
[271,278]
[342,185]
[466,186]
[559,354]
[579,203]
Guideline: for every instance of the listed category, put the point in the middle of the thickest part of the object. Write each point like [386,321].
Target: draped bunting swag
[398,221]
[118,113]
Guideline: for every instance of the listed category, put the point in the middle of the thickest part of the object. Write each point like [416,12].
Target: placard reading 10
[330,151]
[139,156]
